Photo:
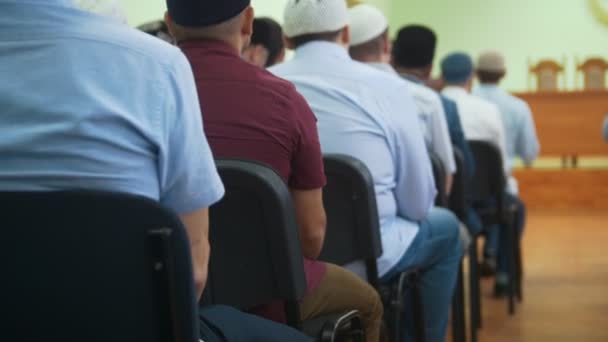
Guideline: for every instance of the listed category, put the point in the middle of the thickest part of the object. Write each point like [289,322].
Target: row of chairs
[489,182]
[78,260]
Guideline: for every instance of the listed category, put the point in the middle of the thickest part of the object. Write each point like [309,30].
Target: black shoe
[501,290]
[488,267]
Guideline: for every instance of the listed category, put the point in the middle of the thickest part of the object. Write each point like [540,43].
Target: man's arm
[310,216]
[189,182]
[197,227]
[415,190]
[442,144]
[528,145]
[307,178]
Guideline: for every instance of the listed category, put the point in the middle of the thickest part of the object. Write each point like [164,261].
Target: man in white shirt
[370,45]
[370,115]
[481,120]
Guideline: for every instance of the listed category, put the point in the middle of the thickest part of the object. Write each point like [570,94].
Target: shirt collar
[412,78]
[383,66]
[210,46]
[455,90]
[489,87]
[322,48]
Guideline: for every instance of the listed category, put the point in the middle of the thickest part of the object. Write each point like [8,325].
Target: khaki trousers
[341,290]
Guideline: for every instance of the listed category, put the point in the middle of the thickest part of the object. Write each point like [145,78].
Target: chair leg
[508,234]
[418,310]
[474,281]
[458,310]
[519,270]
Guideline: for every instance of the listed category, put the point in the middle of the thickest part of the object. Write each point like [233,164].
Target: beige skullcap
[491,61]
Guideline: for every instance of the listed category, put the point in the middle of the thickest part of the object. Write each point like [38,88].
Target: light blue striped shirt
[520,130]
[370,115]
[89,103]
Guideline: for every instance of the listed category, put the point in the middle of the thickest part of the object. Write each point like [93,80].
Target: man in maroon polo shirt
[250,114]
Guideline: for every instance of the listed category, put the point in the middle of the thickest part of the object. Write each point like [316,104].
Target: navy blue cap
[200,13]
[457,67]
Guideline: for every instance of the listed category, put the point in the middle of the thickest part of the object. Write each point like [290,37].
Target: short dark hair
[269,34]
[490,76]
[414,47]
[313,37]
[371,47]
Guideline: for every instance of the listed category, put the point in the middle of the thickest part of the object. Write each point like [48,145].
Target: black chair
[458,305]
[92,266]
[458,204]
[256,256]
[490,183]
[353,234]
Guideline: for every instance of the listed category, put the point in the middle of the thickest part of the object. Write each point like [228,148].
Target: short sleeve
[188,177]
[307,172]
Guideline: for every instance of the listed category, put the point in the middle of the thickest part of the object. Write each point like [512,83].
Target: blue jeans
[225,324]
[437,252]
[495,246]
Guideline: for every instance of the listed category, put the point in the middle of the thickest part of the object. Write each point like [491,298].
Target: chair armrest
[327,327]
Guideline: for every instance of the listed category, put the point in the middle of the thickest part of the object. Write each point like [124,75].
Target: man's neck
[417,73]
[234,42]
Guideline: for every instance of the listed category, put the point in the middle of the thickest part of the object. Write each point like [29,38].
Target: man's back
[519,124]
[480,119]
[251,113]
[368,114]
[88,103]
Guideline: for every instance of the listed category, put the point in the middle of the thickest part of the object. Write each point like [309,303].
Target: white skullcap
[110,8]
[366,23]
[492,61]
[314,16]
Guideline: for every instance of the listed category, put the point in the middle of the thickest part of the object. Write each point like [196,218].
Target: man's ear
[248,17]
[169,23]
[289,43]
[345,36]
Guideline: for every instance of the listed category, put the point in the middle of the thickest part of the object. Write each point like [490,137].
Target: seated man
[267,47]
[370,115]
[369,44]
[251,114]
[109,108]
[521,139]
[481,120]
[412,56]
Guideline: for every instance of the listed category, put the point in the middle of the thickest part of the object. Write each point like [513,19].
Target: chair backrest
[91,266]
[457,200]
[256,256]
[440,180]
[594,73]
[547,74]
[489,181]
[353,226]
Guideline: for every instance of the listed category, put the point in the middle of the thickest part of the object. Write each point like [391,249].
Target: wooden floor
[566,284]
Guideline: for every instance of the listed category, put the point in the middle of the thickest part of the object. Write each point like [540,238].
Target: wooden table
[570,124]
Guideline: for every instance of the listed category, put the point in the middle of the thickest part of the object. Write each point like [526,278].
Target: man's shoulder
[98,35]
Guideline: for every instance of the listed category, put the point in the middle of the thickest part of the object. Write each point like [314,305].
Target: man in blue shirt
[521,141]
[88,103]
[370,115]
[412,56]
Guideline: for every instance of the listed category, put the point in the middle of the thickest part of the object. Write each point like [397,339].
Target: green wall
[521,29]
[140,11]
